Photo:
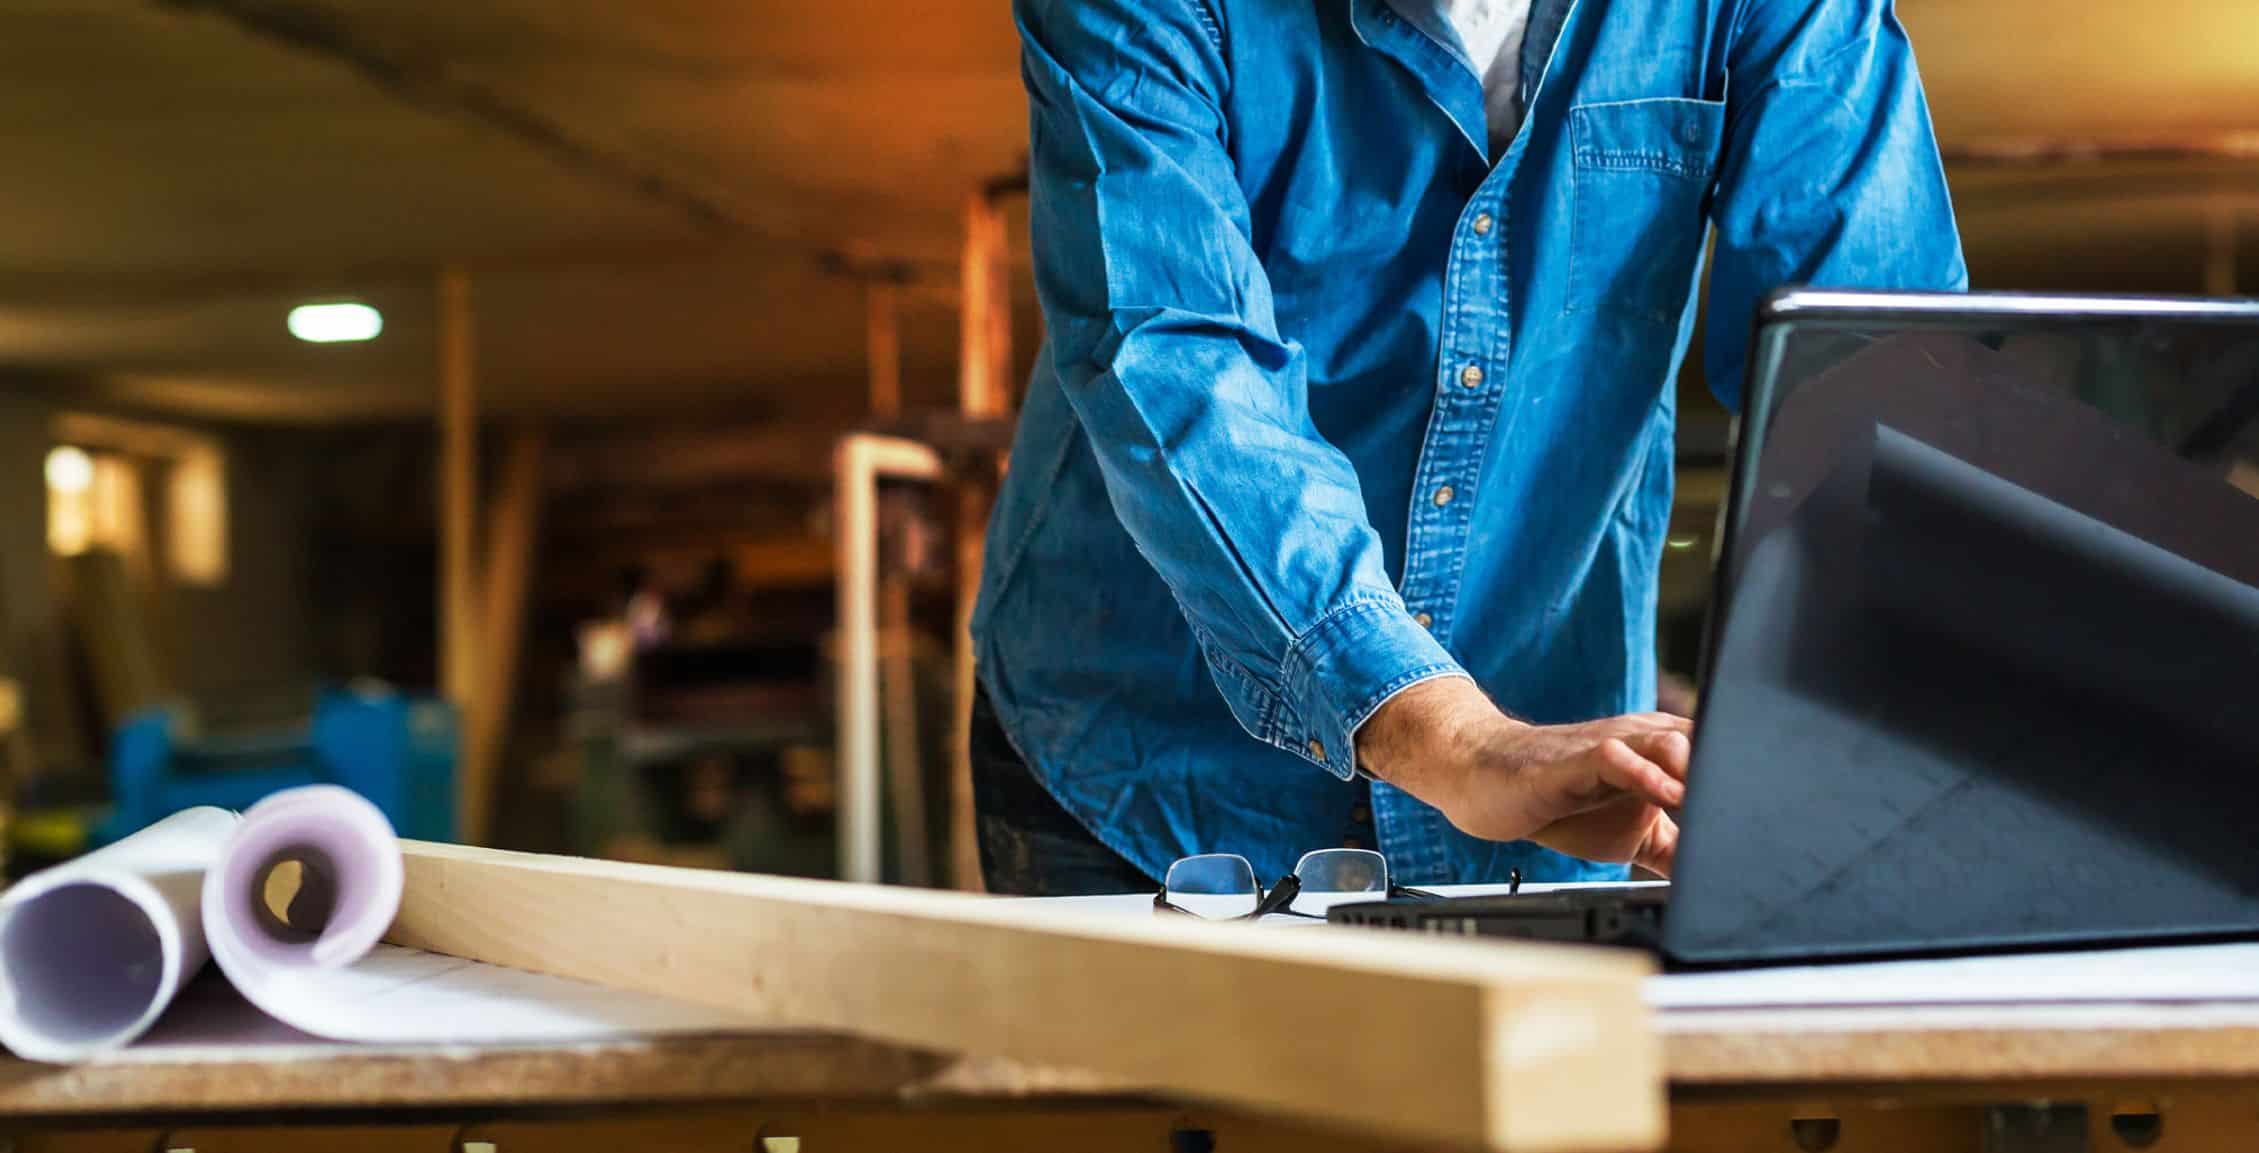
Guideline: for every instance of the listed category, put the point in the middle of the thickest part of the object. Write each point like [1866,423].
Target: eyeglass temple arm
[1280,897]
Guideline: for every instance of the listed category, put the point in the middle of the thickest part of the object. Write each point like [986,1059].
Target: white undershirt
[1491,33]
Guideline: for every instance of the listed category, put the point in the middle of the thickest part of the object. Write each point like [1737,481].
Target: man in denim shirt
[1336,506]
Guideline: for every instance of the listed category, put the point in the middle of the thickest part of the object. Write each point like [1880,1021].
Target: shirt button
[1352,843]
[1361,815]
[1423,620]
[1471,376]
[1443,496]
[1482,224]
[1317,749]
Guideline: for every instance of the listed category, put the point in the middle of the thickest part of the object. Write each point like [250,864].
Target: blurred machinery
[396,750]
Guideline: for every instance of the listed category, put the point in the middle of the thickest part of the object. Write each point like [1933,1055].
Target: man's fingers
[1627,770]
[1669,749]
[1661,721]
[1660,851]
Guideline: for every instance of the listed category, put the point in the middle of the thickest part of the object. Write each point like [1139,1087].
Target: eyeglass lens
[1331,876]
[1214,885]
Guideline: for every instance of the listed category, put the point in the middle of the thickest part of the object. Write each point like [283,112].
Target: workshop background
[449,398]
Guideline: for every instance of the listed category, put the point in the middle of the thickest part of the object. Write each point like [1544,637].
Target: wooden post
[984,363]
[458,536]
[998,398]
[905,770]
[905,759]
[513,523]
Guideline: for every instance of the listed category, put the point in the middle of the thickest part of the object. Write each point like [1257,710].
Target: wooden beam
[513,522]
[984,337]
[905,773]
[898,711]
[1001,388]
[458,496]
[1508,1046]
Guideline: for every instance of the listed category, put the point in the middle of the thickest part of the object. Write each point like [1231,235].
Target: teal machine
[396,750]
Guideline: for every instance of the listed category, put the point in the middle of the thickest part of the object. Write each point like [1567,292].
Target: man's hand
[1597,790]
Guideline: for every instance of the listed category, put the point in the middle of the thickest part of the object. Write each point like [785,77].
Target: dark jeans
[1030,845]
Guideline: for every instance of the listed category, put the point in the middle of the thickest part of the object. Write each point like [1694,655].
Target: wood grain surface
[1506,1046]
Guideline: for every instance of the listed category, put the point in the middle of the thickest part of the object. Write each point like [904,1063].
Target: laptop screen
[1987,624]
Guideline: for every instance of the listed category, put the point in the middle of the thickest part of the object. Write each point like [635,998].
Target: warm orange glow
[93,501]
[196,517]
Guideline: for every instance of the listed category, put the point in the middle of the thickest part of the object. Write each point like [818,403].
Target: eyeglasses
[1221,886]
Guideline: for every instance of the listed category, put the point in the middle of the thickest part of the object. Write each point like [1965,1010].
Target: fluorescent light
[69,469]
[335,323]
[1681,543]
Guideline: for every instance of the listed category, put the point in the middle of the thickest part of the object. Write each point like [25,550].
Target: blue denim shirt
[1332,402]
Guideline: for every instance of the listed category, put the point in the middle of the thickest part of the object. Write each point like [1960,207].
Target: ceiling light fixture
[335,323]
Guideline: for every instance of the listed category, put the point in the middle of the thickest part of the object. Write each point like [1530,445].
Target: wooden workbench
[1880,1078]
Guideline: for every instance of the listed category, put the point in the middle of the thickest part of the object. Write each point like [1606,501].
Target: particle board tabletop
[1974,1045]
[1747,1051]
[722,1069]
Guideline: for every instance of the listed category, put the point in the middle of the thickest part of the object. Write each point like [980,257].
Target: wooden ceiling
[657,198]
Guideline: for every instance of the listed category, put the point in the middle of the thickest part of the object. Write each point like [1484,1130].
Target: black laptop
[1982,667]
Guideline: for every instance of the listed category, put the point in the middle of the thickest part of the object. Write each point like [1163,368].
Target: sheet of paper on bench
[2187,973]
[407,997]
[398,996]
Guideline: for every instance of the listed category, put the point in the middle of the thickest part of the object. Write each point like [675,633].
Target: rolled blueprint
[349,876]
[320,966]
[92,951]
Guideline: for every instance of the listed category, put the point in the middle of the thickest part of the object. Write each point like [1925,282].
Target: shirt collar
[1436,62]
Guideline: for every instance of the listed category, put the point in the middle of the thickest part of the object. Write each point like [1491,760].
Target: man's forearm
[1409,741]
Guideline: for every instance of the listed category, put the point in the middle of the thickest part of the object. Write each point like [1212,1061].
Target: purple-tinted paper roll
[96,949]
[349,886]
[91,951]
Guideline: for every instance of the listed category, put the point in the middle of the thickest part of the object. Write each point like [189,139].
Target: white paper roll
[323,971]
[348,888]
[91,951]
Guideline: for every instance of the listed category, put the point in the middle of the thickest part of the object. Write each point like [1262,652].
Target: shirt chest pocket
[1642,176]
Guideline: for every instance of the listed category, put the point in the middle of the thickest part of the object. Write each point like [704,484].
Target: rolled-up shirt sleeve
[1831,176]
[1162,332]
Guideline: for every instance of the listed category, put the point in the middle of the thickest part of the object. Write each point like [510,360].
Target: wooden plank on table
[1512,1047]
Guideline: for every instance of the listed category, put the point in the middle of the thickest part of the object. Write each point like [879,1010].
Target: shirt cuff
[1345,667]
